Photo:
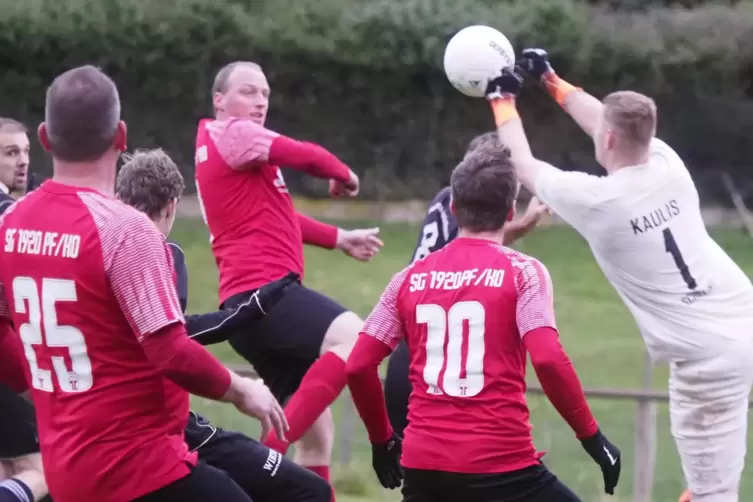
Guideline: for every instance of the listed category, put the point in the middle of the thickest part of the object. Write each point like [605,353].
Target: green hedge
[363,77]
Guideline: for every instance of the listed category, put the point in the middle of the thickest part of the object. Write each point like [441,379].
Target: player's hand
[507,84]
[535,62]
[361,244]
[256,400]
[535,210]
[267,297]
[686,496]
[350,189]
[385,458]
[607,456]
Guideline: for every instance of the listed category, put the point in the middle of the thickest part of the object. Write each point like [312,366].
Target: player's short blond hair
[632,116]
[12,125]
[148,181]
[222,78]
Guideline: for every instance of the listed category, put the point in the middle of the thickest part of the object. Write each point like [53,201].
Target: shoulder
[176,250]
[108,211]
[443,196]
[117,222]
[527,269]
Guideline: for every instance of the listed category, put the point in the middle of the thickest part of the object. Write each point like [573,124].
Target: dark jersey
[439,227]
[5,201]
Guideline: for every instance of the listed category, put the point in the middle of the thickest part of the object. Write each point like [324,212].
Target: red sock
[323,472]
[320,386]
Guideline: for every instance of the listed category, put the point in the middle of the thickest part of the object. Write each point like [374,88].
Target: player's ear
[121,137]
[511,214]
[609,139]
[217,101]
[172,207]
[43,138]
[452,207]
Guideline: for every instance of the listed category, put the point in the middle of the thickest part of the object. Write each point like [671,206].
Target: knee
[342,334]
[315,447]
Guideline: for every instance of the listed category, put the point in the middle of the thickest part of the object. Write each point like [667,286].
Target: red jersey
[253,227]
[74,282]
[463,311]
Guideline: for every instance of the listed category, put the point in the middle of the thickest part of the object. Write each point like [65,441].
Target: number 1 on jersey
[670,245]
[448,327]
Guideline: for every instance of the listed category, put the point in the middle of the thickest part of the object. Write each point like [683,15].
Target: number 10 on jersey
[460,378]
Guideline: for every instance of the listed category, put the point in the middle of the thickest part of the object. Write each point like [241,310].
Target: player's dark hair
[12,125]
[82,112]
[148,181]
[486,140]
[484,187]
[223,76]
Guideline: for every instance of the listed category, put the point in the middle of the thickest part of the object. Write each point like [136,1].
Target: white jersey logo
[279,182]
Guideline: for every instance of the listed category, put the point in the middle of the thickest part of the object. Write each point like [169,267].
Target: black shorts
[204,484]
[19,425]
[397,387]
[532,484]
[264,474]
[283,346]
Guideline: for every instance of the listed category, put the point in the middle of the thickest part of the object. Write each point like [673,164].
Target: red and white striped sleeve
[384,323]
[241,142]
[535,304]
[138,263]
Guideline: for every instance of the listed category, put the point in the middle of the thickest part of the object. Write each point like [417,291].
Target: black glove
[535,62]
[385,458]
[268,295]
[607,456]
[508,83]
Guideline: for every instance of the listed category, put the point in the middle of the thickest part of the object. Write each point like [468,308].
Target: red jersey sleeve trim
[559,380]
[317,233]
[366,387]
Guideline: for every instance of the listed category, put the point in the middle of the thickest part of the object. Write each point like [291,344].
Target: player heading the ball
[471,312]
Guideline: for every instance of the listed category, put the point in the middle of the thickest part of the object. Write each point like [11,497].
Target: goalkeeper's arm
[584,108]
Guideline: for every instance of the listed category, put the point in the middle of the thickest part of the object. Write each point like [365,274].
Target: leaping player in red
[470,313]
[299,349]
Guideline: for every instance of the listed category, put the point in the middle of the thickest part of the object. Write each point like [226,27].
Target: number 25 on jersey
[460,378]
[43,319]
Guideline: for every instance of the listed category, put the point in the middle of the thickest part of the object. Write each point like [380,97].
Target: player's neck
[621,162]
[496,236]
[98,175]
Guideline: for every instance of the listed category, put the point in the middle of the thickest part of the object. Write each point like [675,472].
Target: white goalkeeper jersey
[644,226]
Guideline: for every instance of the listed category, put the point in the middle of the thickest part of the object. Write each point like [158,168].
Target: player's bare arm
[584,108]
[502,93]
[516,229]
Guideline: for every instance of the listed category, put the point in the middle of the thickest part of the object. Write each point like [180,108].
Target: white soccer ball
[474,56]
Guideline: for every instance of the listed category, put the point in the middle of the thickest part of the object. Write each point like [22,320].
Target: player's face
[14,160]
[247,95]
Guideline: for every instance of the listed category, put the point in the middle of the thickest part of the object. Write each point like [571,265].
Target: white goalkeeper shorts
[708,404]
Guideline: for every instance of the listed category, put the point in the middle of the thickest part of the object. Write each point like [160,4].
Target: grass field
[596,329]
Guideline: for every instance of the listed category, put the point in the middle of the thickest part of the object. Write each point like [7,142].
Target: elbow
[545,362]
[355,368]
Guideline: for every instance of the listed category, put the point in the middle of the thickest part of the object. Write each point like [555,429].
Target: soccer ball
[474,56]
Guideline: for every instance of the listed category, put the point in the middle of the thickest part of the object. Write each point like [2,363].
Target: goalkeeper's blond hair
[632,118]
